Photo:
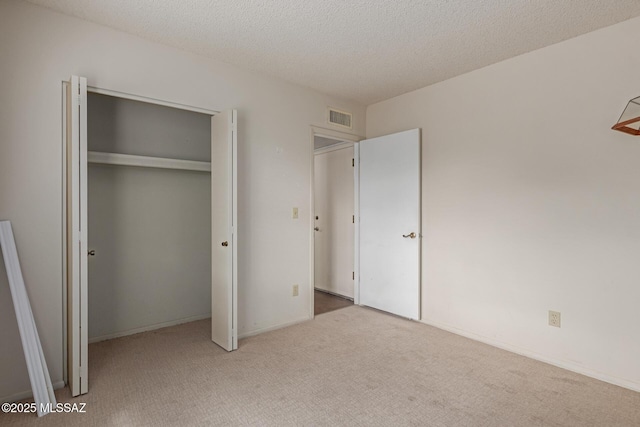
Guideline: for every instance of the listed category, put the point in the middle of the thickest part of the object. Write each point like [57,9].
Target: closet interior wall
[150,227]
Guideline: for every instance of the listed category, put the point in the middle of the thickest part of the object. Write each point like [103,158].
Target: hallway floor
[325,302]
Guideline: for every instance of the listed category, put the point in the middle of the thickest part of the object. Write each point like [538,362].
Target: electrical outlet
[554,318]
[294,214]
[295,290]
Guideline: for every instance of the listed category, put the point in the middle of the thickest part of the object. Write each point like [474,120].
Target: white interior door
[390,223]
[224,285]
[77,302]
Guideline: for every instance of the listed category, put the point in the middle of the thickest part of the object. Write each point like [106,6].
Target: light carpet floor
[353,366]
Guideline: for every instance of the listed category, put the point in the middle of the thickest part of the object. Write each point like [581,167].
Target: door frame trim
[348,138]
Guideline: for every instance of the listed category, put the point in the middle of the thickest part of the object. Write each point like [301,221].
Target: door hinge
[353,219]
[353,162]
[353,275]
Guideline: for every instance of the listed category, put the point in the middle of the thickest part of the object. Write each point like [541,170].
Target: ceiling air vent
[340,118]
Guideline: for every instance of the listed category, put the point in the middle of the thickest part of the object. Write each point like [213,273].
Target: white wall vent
[339,118]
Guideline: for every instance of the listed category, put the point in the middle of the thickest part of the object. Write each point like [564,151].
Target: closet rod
[146,162]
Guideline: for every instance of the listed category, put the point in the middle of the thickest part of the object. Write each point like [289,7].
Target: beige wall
[151,230]
[531,203]
[40,49]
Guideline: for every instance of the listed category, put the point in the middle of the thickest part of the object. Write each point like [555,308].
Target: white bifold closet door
[77,301]
[224,217]
[224,233]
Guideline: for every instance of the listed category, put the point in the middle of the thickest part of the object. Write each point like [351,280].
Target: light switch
[294,214]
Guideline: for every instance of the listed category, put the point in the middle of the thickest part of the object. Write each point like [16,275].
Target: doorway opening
[382,242]
[333,224]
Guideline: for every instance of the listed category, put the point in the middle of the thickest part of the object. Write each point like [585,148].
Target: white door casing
[389,201]
[77,301]
[224,270]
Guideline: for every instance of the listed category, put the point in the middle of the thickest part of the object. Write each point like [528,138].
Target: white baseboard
[533,355]
[271,328]
[148,328]
[27,394]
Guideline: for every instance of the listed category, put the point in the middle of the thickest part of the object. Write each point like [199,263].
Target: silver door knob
[225,243]
[411,235]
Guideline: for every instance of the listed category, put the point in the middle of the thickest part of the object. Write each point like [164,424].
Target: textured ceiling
[364,50]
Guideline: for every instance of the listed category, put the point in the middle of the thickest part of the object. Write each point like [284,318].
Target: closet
[150,219]
[149,216]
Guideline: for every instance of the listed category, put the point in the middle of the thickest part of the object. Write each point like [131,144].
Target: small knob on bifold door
[92,252]
[225,243]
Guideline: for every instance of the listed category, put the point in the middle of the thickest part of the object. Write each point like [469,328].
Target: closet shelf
[146,162]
